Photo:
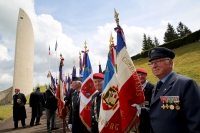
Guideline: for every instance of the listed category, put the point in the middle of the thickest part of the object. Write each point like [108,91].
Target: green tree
[182,30]
[150,43]
[170,34]
[156,43]
[144,43]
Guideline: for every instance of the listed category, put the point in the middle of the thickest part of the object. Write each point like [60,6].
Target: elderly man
[146,85]
[74,122]
[175,103]
[98,79]
[19,111]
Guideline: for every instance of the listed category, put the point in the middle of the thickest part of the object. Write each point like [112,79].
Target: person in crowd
[74,122]
[98,79]
[146,85]
[175,101]
[37,104]
[19,111]
[51,107]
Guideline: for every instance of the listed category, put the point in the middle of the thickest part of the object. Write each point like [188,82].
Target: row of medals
[170,102]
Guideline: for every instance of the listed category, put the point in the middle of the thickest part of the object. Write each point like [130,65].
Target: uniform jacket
[68,100]
[19,111]
[37,103]
[74,115]
[148,93]
[95,108]
[51,102]
[184,120]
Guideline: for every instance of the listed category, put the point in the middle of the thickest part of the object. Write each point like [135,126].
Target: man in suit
[175,103]
[98,79]
[37,104]
[19,111]
[74,122]
[146,85]
[51,107]
[144,126]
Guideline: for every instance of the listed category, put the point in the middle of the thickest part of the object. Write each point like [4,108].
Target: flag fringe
[130,127]
[84,123]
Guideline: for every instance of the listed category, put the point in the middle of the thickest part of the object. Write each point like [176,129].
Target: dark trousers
[22,122]
[33,119]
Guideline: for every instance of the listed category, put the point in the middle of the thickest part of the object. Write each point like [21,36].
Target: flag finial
[85,45]
[116,17]
[111,41]
[79,53]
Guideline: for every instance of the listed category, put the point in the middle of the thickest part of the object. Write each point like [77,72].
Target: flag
[59,92]
[80,67]
[69,83]
[109,115]
[53,82]
[87,90]
[100,70]
[49,50]
[56,46]
[130,89]
[73,72]
[113,54]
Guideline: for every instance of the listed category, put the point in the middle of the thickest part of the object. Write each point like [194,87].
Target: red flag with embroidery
[87,90]
[130,89]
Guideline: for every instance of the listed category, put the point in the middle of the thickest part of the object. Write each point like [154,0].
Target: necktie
[159,84]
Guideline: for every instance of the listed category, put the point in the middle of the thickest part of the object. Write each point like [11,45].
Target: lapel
[165,87]
[145,89]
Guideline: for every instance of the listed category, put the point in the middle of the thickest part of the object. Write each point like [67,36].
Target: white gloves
[138,107]
[70,127]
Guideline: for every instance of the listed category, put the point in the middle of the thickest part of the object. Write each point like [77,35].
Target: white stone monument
[24,55]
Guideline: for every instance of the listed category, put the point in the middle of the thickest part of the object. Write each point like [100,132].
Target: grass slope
[186,62]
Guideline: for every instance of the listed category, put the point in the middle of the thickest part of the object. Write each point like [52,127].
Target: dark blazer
[74,115]
[51,102]
[68,100]
[37,103]
[19,111]
[184,120]
[95,108]
[148,93]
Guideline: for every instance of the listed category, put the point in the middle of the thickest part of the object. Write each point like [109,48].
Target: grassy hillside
[186,62]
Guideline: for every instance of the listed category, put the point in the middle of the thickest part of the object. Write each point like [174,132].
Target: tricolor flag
[130,89]
[100,70]
[73,72]
[114,54]
[80,66]
[56,45]
[59,92]
[87,90]
[109,115]
[49,50]
[53,82]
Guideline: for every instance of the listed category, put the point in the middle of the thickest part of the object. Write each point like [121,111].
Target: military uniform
[74,116]
[175,105]
[148,94]
[95,108]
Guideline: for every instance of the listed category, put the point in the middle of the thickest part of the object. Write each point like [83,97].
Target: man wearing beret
[175,102]
[146,85]
[19,111]
[98,79]
[144,126]
[74,122]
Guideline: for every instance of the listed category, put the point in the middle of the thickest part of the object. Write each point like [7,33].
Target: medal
[171,107]
[176,102]
[162,98]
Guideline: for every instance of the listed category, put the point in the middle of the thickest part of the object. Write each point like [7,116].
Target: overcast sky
[71,22]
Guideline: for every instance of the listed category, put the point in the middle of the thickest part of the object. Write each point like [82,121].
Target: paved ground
[8,125]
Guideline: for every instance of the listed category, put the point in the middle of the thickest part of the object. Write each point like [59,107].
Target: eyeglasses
[157,62]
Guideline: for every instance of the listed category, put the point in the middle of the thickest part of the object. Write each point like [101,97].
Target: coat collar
[164,88]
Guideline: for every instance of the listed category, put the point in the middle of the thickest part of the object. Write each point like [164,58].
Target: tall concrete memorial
[24,54]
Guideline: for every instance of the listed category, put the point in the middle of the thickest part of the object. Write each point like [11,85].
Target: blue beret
[160,52]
